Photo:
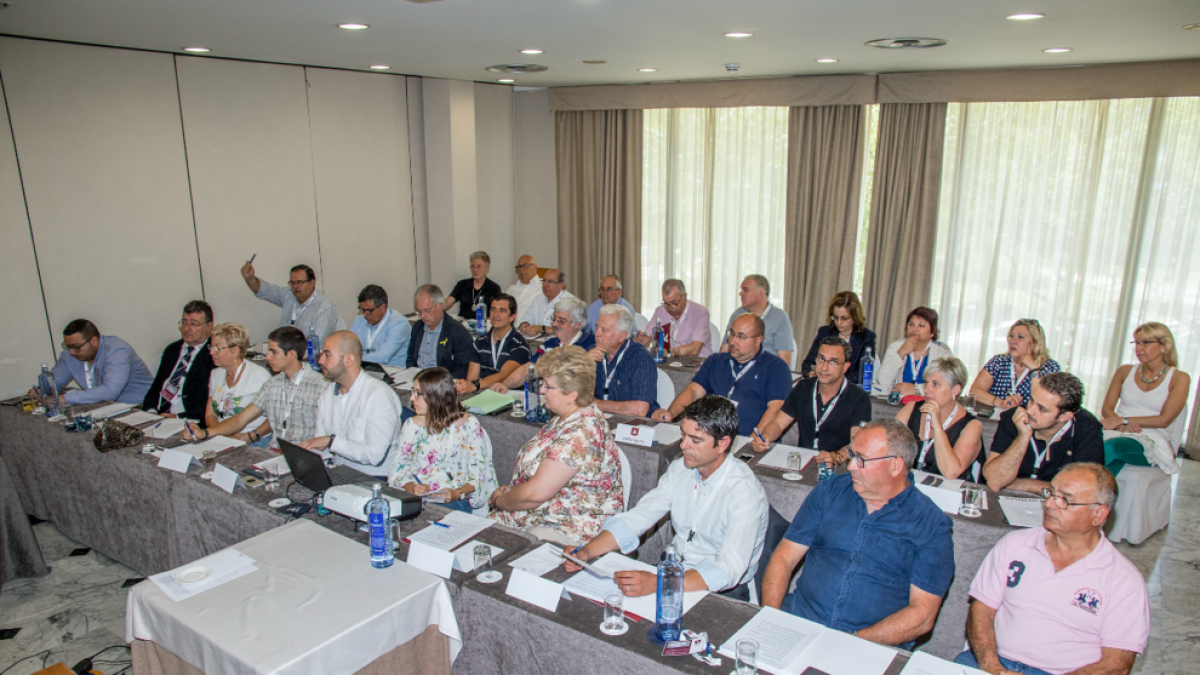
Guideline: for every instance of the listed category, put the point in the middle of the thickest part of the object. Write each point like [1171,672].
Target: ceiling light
[353,26]
[381,67]
[1193,26]
[827,60]
[906,43]
[594,62]
[518,68]
[647,70]
[1057,50]
[506,81]
[739,35]
[533,51]
[1025,16]
[197,50]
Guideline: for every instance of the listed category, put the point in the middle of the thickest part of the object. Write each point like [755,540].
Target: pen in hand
[251,261]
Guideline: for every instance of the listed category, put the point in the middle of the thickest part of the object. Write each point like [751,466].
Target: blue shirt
[767,378]
[389,346]
[586,341]
[632,376]
[859,566]
[594,311]
[118,374]
[427,350]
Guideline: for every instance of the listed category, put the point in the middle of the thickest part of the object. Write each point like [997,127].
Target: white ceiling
[683,39]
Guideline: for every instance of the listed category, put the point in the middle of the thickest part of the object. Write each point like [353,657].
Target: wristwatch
[1125,421]
[330,446]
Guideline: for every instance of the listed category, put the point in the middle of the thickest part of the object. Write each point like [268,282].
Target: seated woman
[568,477]
[904,362]
[846,320]
[1146,402]
[234,382]
[1006,379]
[443,449]
[950,438]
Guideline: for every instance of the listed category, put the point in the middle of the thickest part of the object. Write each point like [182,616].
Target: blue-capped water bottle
[480,310]
[658,341]
[379,520]
[668,620]
[48,388]
[867,370]
[310,354]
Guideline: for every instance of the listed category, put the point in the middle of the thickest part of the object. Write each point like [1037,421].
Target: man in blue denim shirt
[880,553]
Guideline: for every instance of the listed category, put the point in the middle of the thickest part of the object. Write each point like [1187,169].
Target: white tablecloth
[315,605]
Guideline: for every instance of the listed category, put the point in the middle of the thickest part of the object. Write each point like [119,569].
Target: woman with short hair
[1006,379]
[847,320]
[234,382]
[904,362]
[950,438]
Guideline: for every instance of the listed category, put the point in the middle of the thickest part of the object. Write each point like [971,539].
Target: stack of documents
[135,418]
[279,463]
[217,444]
[777,457]
[788,645]
[1022,511]
[165,429]
[451,531]
[199,576]
[923,663]
[945,492]
[540,560]
[597,582]
[487,402]
[402,378]
[110,410]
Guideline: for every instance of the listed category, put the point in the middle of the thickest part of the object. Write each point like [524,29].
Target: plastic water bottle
[669,602]
[531,395]
[379,520]
[658,341]
[49,390]
[310,355]
[480,310]
[867,370]
[824,471]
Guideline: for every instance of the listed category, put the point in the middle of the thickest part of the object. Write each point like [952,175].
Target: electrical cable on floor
[44,654]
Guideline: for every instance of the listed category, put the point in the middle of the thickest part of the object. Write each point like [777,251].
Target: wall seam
[187,168]
[313,159]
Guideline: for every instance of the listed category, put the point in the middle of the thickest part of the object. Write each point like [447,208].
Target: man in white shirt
[777,338]
[527,288]
[541,313]
[718,511]
[382,331]
[358,416]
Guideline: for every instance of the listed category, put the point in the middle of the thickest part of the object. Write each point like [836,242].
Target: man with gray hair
[1060,598]
[435,341]
[611,293]
[554,289]
[880,555]
[384,334]
[688,321]
[626,378]
[777,336]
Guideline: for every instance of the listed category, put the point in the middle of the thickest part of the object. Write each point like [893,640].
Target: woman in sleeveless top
[949,439]
[1147,399]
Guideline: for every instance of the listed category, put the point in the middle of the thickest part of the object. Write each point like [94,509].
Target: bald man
[527,288]
[540,320]
[358,416]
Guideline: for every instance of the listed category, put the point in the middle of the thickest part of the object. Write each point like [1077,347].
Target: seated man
[1031,614]
[436,342]
[527,287]
[718,511]
[358,416]
[289,400]
[626,378]
[757,382]
[104,366]
[828,409]
[382,331]
[570,328]
[611,293]
[554,289]
[477,287]
[1034,442]
[499,352]
[689,322]
[777,336]
[304,307]
[876,573]
[180,388]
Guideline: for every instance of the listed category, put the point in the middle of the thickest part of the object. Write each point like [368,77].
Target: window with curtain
[713,201]
[1081,214]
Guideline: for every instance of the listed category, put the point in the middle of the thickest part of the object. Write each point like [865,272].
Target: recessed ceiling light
[594,62]
[1057,50]
[739,35]
[1193,26]
[647,70]
[533,51]
[353,26]
[827,60]
[1025,16]
[381,67]
[506,81]
[906,43]
[197,50]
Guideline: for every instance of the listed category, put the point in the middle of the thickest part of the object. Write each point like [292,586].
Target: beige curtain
[904,208]
[825,152]
[598,161]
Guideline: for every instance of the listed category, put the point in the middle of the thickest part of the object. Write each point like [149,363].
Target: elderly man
[880,553]
[382,331]
[626,378]
[499,352]
[541,313]
[358,416]
[717,506]
[611,293]
[527,288]
[180,388]
[757,382]
[689,322]
[435,341]
[477,287]
[1060,598]
[1034,442]
[104,366]
[777,336]
[570,328]
[304,307]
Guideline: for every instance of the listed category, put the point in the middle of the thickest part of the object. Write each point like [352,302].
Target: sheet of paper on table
[459,528]
[464,556]
[217,444]
[1022,511]
[777,457]
[139,417]
[592,587]
[540,560]
[924,663]
[226,566]
[280,464]
[946,493]
[110,410]
[402,377]
[165,429]
[667,434]
[789,644]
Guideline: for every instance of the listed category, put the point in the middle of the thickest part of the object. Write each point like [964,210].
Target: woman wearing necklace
[949,439]
[1142,411]
[498,352]
[478,286]
[904,362]
[234,382]
[847,320]
[1006,379]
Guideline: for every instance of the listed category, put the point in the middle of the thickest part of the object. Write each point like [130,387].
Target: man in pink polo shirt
[690,333]
[1059,598]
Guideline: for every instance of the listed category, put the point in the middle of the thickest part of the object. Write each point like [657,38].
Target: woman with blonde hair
[1006,379]
[234,382]
[847,320]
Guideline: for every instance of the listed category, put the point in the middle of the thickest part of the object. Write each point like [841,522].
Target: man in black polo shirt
[498,352]
[827,409]
[1033,443]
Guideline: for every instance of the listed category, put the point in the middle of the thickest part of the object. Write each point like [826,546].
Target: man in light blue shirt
[303,305]
[383,332]
[104,366]
[611,293]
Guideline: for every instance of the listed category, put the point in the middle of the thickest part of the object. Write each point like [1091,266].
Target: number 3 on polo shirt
[1017,568]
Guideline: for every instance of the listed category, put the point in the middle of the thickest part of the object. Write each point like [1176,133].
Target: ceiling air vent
[518,68]
[905,43]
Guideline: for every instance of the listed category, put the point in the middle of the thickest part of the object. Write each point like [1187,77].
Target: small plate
[792,476]
[193,575]
[517,413]
[489,577]
[207,475]
[623,630]
[279,503]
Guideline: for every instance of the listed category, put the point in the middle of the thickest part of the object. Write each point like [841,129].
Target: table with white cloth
[314,605]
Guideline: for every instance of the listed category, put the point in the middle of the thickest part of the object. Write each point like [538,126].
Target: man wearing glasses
[689,322]
[879,553]
[570,328]
[383,333]
[611,293]
[756,382]
[180,388]
[527,288]
[104,366]
[541,314]
[755,294]
[1060,598]
[303,307]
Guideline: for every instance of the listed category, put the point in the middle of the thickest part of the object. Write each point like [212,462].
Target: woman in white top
[904,362]
[1146,401]
[234,382]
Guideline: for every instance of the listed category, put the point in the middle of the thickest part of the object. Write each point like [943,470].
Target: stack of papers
[402,378]
[139,417]
[109,410]
[165,429]
[587,584]
[487,402]
[788,645]
[540,560]
[451,531]
[217,444]
[945,492]
[1022,511]
[923,663]
[207,573]
[280,464]
[777,457]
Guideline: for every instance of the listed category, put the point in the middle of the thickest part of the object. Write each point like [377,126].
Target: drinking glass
[483,565]
[614,613]
[747,657]
[793,466]
[271,477]
[209,458]
[969,403]
[972,503]
[69,411]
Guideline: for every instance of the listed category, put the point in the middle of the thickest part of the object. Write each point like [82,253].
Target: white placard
[946,500]
[431,559]
[634,435]
[533,589]
[177,461]
[226,478]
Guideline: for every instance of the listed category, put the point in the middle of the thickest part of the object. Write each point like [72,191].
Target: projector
[351,501]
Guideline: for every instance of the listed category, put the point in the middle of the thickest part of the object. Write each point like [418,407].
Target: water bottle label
[378,534]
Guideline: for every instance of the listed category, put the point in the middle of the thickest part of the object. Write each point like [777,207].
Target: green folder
[487,402]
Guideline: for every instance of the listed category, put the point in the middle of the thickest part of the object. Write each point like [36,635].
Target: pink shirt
[1059,622]
[692,326]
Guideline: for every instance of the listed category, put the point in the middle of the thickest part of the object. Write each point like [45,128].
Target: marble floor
[79,608]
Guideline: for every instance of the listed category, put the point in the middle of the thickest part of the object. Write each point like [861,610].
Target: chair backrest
[714,334]
[641,321]
[626,477]
[666,389]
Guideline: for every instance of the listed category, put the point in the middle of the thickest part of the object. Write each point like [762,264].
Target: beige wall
[494,178]
[534,179]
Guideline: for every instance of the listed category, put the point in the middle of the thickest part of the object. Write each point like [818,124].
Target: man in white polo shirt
[1060,598]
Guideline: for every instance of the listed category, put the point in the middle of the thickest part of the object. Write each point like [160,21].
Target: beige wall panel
[364,190]
[534,178]
[101,153]
[250,161]
[494,178]
[450,178]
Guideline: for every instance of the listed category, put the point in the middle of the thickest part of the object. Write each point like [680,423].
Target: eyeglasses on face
[832,362]
[215,349]
[73,348]
[523,266]
[548,280]
[368,310]
[192,324]
[740,336]
[608,289]
[1145,343]
[546,385]
[295,284]
[1061,502]
[417,393]
[862,461]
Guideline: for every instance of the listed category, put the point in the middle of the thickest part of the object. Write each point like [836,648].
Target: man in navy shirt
[570,328]
[880,553]
[499,352]
[757,382]
[626,378]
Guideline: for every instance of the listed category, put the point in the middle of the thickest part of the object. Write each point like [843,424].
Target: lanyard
[928,443]
[1039,456]
[372,333]
[87,373]
[236,378]
[736,375]
[698,515]
[828,409]
[682,317]
[287,412]
[498,349]
[915,375]
[608,378]
[1012,376]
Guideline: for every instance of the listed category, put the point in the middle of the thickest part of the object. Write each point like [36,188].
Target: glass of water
[614,614]
[210,460]
[793,466]
[271,476]
[747,657]
[972,504]
[483,565]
